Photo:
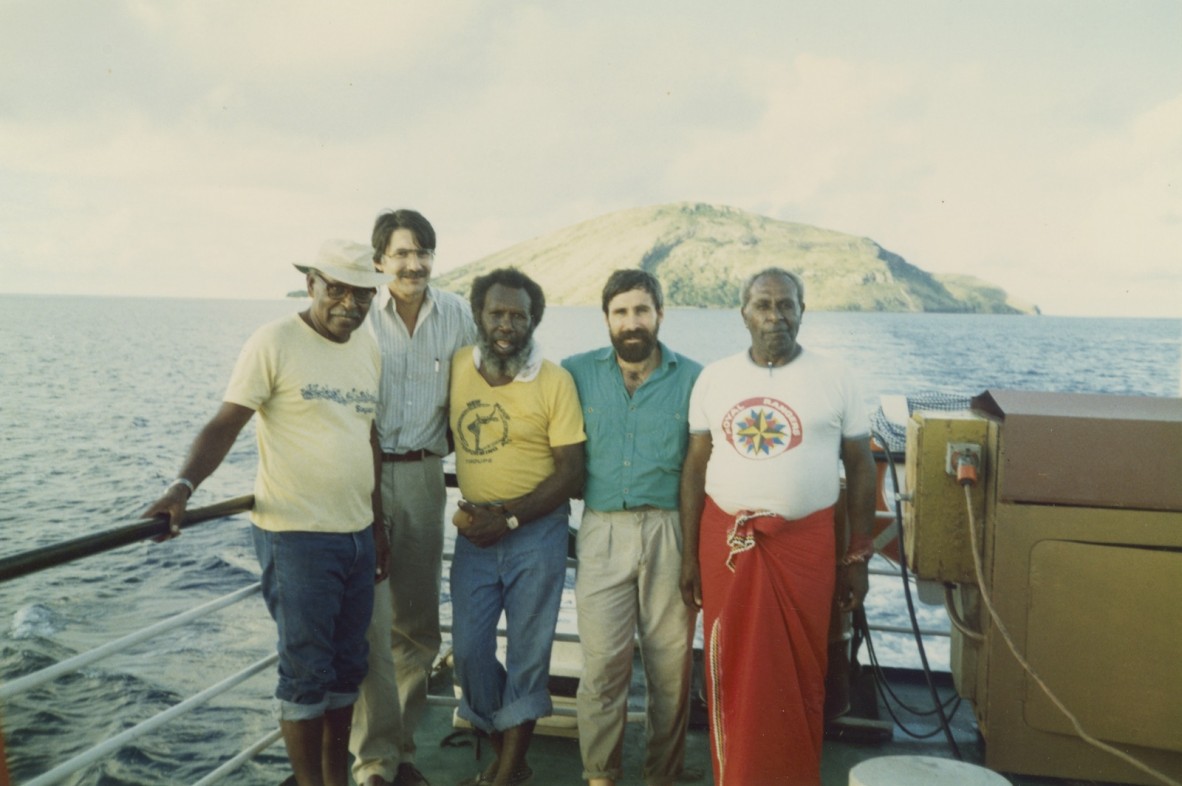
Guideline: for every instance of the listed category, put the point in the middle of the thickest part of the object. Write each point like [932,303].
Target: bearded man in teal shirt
[635,397]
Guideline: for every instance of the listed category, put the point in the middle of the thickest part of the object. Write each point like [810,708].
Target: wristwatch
[510,520]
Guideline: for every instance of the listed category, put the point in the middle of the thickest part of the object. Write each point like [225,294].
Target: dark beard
[634,353]
[508,366]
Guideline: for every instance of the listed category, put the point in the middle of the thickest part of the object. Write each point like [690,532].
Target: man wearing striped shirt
[418,328]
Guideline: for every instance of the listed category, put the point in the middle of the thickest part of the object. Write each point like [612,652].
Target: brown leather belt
[414,455]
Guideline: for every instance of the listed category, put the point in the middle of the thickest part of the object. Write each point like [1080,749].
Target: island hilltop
[702,254]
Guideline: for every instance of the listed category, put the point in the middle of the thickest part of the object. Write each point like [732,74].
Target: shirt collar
[532,366]
[386,303]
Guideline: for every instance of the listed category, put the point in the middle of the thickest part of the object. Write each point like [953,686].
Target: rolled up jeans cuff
[291,711]
[527,708]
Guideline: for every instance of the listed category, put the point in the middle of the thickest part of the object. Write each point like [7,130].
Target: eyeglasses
[403,254]
[337,291]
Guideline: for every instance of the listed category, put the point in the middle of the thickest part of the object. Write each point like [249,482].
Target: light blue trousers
[521,576]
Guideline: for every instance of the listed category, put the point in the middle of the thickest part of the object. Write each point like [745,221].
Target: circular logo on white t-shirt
[760,428]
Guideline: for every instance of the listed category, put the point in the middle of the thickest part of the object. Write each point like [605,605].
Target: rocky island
[703,253]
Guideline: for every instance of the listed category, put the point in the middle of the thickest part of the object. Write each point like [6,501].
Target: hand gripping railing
[62,553]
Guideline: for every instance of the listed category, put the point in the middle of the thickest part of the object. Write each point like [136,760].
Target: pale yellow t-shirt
[316,400]
[503,434]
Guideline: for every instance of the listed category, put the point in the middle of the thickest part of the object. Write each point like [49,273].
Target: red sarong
[766,623]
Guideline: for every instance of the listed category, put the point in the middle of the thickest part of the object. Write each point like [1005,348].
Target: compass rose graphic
[760,431]
[760,428]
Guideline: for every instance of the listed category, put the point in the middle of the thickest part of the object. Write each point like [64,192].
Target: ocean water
[101,397]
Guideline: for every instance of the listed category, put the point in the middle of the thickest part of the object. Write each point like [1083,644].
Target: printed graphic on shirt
[483,428]
[760,428]
[364,402]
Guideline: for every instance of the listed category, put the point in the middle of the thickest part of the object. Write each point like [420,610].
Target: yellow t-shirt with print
[503,435]
[315,401]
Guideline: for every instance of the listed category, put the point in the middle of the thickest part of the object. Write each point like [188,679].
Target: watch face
[512,522]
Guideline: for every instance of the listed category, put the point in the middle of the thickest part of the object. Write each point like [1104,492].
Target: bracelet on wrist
[184,482]
[859,558]
[859,550]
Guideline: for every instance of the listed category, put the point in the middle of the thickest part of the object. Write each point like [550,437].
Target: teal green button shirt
[635,444]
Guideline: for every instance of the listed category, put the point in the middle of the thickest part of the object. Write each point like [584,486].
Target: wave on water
[64,718]
[107,414]
[35,621]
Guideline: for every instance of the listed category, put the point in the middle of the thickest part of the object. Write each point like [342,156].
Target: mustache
[348,314]
[487,338]
[412,274]
[637,333]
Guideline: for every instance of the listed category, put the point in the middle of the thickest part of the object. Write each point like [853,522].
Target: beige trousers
[627,588]
[404,631]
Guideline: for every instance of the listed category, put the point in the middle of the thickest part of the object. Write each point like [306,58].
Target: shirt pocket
[602,424]
[426,381]
[661,435]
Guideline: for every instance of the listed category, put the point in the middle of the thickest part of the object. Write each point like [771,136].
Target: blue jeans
[319,589]
[522,576]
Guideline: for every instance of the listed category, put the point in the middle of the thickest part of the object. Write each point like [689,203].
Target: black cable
[883,687]
[890,695]
[923,656]
[894,696]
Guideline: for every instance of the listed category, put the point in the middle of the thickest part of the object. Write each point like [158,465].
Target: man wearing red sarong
[767,429]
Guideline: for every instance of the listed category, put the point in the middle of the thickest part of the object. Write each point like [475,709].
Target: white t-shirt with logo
[777,432]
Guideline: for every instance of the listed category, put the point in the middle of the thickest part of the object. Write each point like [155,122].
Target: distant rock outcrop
[703,253]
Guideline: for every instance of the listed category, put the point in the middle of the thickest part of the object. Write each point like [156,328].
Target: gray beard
[504,366]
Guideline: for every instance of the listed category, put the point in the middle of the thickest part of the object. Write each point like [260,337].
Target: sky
[198,149]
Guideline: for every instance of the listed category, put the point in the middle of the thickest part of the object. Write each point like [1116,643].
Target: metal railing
[69,551]
[88,545]
[63,553]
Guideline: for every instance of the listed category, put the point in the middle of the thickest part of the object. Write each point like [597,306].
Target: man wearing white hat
[315,386]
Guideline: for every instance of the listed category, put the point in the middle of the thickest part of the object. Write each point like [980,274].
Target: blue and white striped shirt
[416,370]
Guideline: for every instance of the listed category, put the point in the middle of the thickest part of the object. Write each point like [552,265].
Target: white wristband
[184,482]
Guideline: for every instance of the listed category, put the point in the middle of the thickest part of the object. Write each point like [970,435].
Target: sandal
[523,777]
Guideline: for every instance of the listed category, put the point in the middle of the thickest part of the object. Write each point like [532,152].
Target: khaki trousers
[627,587]
[404,631]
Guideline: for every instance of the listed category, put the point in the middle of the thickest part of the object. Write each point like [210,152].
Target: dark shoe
[376,780]
[476,780]
[409,775]
[523,777]
[691,775]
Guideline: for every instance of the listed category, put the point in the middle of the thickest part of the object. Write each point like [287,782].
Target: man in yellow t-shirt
[518,432]
[315,386]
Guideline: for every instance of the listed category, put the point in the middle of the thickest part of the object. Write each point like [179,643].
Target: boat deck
[446,755]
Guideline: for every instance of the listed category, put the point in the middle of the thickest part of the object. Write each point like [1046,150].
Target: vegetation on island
[703,253]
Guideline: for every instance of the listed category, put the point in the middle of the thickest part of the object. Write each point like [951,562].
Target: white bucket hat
[348,262]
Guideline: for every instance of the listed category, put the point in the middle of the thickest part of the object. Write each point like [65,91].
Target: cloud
[297,39]
[960,175]
[199,148]
[820,120]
